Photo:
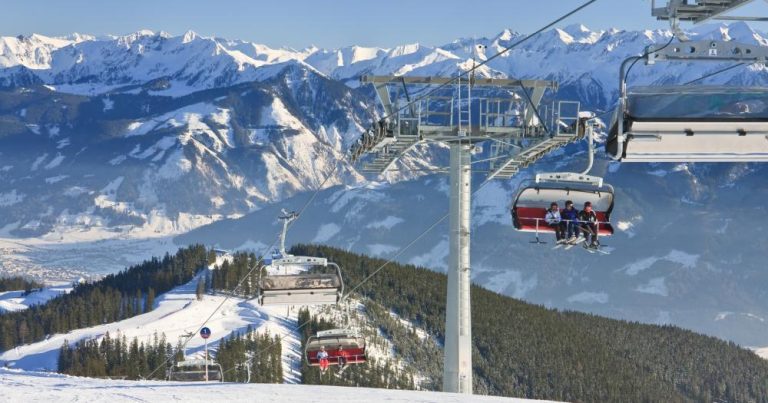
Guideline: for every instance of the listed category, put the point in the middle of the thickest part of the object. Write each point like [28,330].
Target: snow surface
[762,352]
[17,301]
[587,297]
[326,232]
[176,313]
[23,386]
[685,260]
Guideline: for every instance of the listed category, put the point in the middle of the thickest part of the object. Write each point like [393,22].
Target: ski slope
[22,386]
[28,375]
[11,301]
[176,314]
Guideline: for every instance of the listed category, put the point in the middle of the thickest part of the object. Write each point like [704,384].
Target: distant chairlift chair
[194,371]
[352,343]
[303,288]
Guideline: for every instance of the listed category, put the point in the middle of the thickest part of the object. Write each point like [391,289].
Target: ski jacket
[323,355]
[552,217]
[589,217]
[570,215]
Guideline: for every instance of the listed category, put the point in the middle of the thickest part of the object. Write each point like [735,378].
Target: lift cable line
[704,77]
[475,111]
[727,131]
[362,282]
[445,83]
[410,103]
[250,271]
[488,60]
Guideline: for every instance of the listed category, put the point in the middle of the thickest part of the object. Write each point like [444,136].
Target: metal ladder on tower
[465,116]
[533,154]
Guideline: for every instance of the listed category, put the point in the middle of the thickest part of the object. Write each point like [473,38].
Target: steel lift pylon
[506,113]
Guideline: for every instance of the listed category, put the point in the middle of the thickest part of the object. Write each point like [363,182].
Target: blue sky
[325,23]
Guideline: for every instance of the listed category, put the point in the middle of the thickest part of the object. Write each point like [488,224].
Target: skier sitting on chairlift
[553,219]
[322,356]
[588,219]
[571,217]
[343,355]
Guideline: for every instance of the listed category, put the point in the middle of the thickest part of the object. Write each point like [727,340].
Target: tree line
[113,298]
[118,358]
[373,374]
[18,283]
[233,272]
[257,353]
[524,350]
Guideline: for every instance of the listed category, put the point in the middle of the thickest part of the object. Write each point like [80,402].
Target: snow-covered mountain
[574,55]
[150,135]
[183,131]
[171,164]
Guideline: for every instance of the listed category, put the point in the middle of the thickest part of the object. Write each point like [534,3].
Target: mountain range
[150,135]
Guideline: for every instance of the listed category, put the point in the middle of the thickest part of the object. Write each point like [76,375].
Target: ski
[594,250]
[341,371]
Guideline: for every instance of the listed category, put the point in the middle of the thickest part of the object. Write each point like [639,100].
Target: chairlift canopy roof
[542,195]
[301,281]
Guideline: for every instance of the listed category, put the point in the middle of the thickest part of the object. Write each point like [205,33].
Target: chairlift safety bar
[569,177]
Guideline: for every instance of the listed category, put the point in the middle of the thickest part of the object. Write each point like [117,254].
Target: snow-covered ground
[762,352]
[177,313]
[16,300]
[22,386]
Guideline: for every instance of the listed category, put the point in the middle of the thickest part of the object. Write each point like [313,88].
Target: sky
[324,23]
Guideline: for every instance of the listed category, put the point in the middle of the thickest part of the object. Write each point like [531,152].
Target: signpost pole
[205,333]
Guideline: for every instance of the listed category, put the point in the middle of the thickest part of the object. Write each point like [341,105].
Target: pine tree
[150,305]
[200,290]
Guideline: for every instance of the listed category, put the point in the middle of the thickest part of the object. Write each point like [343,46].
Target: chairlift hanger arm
[708,50]
[698,12]
[494,82]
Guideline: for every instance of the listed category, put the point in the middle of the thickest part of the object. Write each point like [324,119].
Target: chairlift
[303,288]
[352,347]
[529,207]
[195,371]
[683,123]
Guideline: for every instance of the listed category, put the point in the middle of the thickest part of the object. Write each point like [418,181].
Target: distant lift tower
[461,114]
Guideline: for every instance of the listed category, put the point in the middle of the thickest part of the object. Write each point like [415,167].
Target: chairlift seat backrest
[352,344]
[194,371]
[311,281]
[300,289]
